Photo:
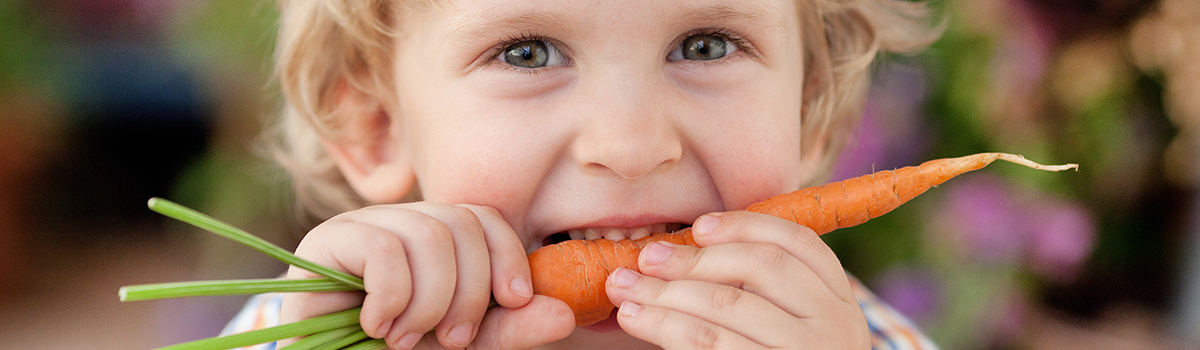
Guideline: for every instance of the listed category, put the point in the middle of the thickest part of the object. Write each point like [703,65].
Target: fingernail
[460,335]
[624,277]
[629,309]
[655,253]
[383,329]
[408,341]
[705,224]
[521,286]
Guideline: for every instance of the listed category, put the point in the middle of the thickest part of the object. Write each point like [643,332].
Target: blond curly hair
[323,43]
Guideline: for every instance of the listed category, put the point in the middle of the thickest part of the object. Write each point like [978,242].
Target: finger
[761,268]
[428,242]
[541,321]
[301,306]
[364,250]
[799,241]
[473,285]
[510,268]
[671,329]
[731,308]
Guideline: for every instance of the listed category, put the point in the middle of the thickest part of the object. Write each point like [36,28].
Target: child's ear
[367,147]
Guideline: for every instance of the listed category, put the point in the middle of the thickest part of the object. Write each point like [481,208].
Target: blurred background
[106,103]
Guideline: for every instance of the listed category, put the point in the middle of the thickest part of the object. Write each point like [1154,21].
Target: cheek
[471,154]
[756,167]
[470,164]
[458,148]
[752,147]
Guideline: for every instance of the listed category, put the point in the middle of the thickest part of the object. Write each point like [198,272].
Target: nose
[629,129]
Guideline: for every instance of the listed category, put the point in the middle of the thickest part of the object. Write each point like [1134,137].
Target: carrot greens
[195,218]
[229,287]
[338,330]
[310,326]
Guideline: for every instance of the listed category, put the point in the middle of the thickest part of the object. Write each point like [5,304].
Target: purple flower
[914,292]
[989,225]
[892,132]
[981,216]
[1062,235]
[867,147]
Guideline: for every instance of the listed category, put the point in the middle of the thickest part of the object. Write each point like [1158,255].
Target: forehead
[474,18]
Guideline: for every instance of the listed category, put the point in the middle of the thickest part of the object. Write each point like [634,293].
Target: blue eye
[532,54]
[702,47]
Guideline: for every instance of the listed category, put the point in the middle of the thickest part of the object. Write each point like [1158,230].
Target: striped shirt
[889,329]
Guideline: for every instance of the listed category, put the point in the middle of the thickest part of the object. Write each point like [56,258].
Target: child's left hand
[758,282]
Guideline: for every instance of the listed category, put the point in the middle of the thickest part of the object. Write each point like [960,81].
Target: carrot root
[1018,159]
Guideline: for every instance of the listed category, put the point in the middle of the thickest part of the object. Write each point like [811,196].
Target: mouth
[613,233]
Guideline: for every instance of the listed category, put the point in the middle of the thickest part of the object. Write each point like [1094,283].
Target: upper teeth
[615,234]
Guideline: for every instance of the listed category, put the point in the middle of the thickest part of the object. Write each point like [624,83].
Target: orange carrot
[575,271]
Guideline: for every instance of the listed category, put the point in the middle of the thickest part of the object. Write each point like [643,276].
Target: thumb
[541,321]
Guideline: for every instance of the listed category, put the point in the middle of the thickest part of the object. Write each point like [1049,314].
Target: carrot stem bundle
[575,271]
[320,327]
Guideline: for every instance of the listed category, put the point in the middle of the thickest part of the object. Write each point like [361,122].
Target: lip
[628,221]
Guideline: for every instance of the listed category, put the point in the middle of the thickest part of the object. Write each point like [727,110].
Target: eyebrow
[468,32]
[724,13]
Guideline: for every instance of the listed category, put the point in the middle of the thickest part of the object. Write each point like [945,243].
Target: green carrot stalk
[344,341]
[373,344]
[321,340]
[195,218]
[229,287]
[333,331]
[310,326]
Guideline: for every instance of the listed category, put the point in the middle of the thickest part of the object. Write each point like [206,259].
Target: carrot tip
[1013,158]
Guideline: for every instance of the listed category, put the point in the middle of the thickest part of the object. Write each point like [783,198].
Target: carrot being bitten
[575,271]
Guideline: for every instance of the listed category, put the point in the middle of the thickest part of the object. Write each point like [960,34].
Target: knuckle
[697,263]
[303,250]
[767,256]
[741,222]
[465,215]
[384,245]
[432,232]
[809,242]
[726,297]
[474,296]
[798,237]
[664,290]
[704,335]
[486,210]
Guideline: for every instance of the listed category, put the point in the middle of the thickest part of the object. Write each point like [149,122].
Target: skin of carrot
[575,271]
[588,263]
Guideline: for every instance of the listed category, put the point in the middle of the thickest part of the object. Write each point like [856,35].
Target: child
[518,123]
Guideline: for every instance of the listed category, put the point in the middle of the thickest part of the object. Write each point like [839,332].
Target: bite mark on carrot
[563,272]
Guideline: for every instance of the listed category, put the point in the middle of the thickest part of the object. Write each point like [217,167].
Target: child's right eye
[532,53]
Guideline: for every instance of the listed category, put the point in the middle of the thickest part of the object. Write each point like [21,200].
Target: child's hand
[759,282]
[428,265]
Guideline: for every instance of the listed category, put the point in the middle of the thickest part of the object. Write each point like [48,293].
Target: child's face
[622,126]
[618,124]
